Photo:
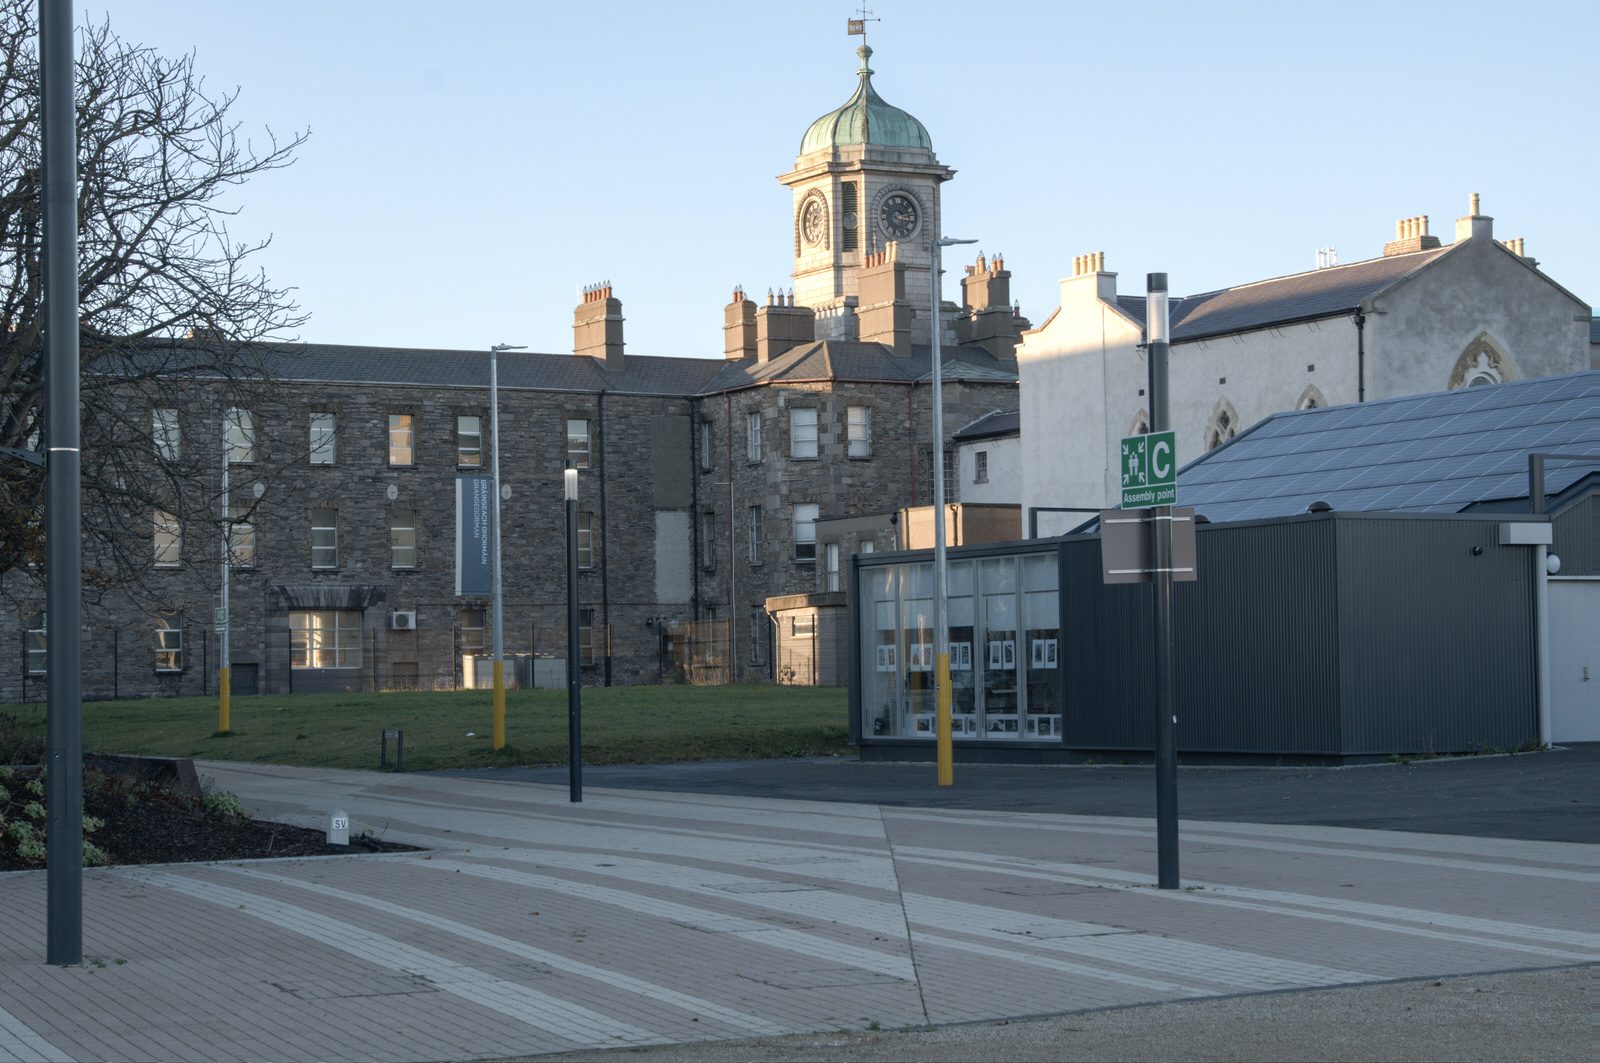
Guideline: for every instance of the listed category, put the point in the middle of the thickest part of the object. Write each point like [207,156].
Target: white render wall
[1424,325]
[1004,485]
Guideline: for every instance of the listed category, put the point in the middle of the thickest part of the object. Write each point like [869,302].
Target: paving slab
[531,925]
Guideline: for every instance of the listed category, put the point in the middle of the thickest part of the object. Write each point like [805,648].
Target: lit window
[240,428]
[241,538]
[322,438]
[168,540]
[474,628]
[169,646]
[401,451]
[980,467]
[325,638]
[859,432]
[324,538]
[752,435]
[577,443]
[758,545]
[805,531]
[38,645]
[585,540]
[802,433]
[168,435]
[469,441]
[831,566]
[402,539]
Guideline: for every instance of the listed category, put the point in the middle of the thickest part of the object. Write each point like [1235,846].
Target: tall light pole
[1158,334]
[223,620]
[574,687]
[63,495]
[499,739]
[941,607]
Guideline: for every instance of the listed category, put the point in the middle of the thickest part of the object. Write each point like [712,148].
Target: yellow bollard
[224,723]
[942,723]
[499,705]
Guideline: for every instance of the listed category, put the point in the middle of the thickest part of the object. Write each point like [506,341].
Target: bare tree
[171,303]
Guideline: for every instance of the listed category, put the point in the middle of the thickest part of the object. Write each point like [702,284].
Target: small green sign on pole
[219,619]
[1149,470]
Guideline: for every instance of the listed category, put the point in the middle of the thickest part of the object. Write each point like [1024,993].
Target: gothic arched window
[1223,426]
[1481,364]
[1311,399]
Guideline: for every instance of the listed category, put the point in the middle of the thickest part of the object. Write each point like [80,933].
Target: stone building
[701,480]
[1423,317]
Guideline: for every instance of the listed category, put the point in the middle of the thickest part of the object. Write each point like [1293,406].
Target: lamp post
[63,495]
[1158,333]
[499,729]
[224,621]
[941,607]
[574,694]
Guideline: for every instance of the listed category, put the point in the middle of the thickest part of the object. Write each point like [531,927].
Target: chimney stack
[884,315]
[1410,236]
[739,327]
[988,317]
[781,326]
[597,326]
[1474,225]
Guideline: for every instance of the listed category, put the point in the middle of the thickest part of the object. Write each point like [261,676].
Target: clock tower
[866,176]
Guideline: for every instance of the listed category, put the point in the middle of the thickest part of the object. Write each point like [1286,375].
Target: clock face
[811,222]
[898,216]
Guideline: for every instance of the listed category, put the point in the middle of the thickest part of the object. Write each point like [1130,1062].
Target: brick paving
[531,925]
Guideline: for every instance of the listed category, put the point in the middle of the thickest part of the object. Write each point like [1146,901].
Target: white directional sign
[1149,470]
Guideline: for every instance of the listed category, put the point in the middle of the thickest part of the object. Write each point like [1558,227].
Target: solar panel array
[1435,453]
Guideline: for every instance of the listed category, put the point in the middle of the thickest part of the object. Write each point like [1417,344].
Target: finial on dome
[865,52]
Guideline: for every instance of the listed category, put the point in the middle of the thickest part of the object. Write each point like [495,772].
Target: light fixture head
[572,485]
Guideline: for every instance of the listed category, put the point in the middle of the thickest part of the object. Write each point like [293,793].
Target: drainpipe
[695,417]
[1361,355]
[733,578]
[911,428]
[605,529]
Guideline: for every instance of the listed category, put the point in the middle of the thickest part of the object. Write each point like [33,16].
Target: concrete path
[536,926]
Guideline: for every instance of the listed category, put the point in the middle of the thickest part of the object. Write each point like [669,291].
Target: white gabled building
[1422,317]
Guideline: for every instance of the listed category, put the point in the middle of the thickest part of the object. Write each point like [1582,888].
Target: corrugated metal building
[1333,634]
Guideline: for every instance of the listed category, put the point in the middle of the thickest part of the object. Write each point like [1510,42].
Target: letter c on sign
[1161,460]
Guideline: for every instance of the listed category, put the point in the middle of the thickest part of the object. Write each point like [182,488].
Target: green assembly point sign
[1149,471]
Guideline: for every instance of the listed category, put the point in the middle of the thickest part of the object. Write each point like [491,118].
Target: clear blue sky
[472,164]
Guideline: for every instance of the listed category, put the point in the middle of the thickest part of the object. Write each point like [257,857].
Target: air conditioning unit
[403,620]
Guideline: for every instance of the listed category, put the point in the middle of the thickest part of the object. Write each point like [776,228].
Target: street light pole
[63,495]
[499,728]
[941,607]
[1158,334]
[574,689]
[224,621]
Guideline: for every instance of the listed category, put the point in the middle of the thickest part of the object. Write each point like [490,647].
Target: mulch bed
[152,823]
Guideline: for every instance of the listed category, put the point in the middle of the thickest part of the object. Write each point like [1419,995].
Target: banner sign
[473,496]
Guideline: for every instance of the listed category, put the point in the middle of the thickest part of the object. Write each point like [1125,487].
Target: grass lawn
[621,725]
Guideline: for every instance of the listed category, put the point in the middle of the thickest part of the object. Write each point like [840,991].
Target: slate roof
[1436,453]
[1301,296]
[862,363]
[992,425]
[640,375]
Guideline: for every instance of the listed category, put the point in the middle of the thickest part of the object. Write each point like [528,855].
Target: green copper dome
[865,119]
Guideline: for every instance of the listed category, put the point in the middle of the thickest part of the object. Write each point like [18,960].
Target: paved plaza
[532,925]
